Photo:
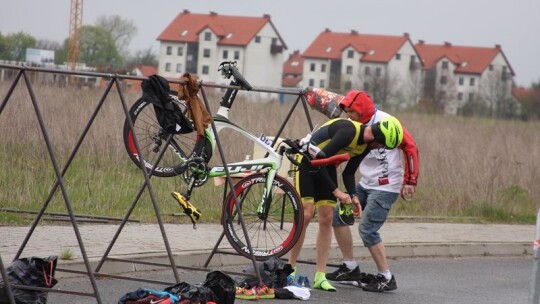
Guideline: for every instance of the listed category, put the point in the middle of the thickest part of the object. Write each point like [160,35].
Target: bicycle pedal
[188,208]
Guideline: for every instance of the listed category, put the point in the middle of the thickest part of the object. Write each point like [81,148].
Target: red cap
[361,103]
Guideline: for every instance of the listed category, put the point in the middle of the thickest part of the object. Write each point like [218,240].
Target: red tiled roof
[474,60]
[294,65]
[232,30]
[523,93]
[147,70]
[289,81]
[376,48]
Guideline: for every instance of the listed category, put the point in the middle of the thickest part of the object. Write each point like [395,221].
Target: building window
[323,68]
[491,67]
[378,72]
[366,86]
[207,36]
[167,67]
[348,86]
[225,54]
[442,94]
[312,67]
[169,50]
[178,67]
[398,56]
[274,41]
[445,65]
[236,55]
[180,51]
[350,54]
[471,96]
[311,82]
[443,80]
[349,70]
[460,96]
[321,83]
[205,69]
[367,71]
[471,82]
[461,80]
[206,53]
[257,39]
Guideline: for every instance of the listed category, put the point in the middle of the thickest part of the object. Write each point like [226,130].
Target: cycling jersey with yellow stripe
[324,135]
[336,136]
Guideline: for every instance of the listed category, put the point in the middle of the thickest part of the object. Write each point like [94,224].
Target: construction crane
[74,40]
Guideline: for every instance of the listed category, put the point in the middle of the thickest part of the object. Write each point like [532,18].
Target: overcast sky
[515,25]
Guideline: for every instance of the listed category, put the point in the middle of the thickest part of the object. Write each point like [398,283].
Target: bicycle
[271,207]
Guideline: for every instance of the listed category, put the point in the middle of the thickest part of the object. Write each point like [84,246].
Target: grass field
[469,167]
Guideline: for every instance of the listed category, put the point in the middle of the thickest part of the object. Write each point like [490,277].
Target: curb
[197,259]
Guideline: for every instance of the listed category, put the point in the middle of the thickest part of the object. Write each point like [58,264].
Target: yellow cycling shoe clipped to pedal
[189,209]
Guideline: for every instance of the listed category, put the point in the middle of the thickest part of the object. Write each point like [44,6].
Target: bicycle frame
[272,161]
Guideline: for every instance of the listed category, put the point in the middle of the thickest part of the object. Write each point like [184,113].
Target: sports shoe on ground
[346,214]
[246,293]
[265,292]
[380,284]
[344,275]
[322,283]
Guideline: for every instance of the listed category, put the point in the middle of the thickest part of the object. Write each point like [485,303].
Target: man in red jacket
[385,174]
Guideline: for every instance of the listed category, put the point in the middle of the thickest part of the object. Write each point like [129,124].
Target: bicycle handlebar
[228,68]
[295,148]
[332,160]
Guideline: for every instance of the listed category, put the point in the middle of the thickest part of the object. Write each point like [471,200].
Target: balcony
[275,49]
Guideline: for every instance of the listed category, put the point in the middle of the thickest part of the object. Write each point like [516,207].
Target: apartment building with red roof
[198,43]
[456,75]
[387,67]
[292,70]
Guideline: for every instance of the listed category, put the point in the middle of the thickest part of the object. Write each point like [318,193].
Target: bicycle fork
[264,206]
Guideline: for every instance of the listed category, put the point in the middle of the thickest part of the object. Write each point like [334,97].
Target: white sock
[387,274]
[351,264]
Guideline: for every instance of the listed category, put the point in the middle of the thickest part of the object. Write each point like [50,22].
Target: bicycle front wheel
[152,139]
[273,233]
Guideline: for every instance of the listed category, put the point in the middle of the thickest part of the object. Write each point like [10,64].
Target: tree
[121,31]
[98,48]
[13,46]
[530,101]
[496,91]
[144,57]
[45,44]
[379,84]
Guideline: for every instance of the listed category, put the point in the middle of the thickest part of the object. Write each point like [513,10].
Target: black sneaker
[344,275]
[380,284]
[366,279]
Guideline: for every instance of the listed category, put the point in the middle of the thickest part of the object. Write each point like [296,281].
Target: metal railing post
[535,281]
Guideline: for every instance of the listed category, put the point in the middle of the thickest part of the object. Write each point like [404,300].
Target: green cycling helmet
[388,131]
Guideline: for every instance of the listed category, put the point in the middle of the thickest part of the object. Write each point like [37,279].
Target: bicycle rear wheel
[272,235]
[152,138]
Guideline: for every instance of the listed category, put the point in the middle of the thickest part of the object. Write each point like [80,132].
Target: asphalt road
[458,281]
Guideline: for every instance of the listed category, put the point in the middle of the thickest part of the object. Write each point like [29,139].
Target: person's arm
[410,155]
[411,165]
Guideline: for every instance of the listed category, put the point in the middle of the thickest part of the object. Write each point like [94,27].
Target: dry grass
[468,166]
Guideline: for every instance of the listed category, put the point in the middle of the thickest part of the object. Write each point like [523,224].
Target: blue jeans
[376,205]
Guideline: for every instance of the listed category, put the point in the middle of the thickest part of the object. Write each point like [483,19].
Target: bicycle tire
[282,228]
[152,139]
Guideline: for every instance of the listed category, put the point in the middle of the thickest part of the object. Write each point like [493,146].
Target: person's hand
[407,192]
[357,211]
[342,196]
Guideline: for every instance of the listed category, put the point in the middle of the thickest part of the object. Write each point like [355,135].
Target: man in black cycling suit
[318,186]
